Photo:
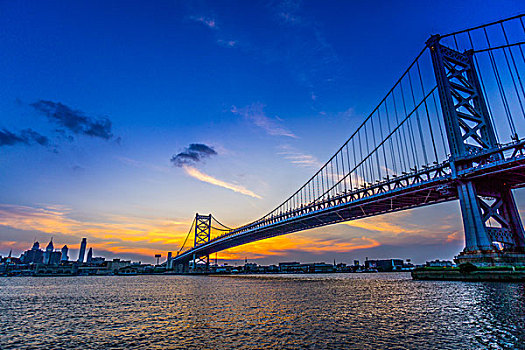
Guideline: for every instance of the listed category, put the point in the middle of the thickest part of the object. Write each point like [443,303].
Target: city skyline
[120,132]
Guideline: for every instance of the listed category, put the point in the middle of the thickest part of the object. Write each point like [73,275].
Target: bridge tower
[488,208]
[202,236]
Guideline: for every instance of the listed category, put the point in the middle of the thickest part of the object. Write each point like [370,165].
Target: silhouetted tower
[47,254]
[82,251]
[90,256]
[64,256]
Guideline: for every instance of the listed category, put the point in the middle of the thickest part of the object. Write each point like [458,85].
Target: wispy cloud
[255,114]
[222,37]
[74,120]
[298,158]
[283,245]
[193,154]
[319,62]
[287,11]
[118,234]
[26,136]
[207,21]
[193,172]
[227,43]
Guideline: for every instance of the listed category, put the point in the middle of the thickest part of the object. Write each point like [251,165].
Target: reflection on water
[343,311]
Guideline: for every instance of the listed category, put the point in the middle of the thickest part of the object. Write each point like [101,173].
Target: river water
[336,311]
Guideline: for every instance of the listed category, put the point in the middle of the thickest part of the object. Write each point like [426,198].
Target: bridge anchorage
[451,128]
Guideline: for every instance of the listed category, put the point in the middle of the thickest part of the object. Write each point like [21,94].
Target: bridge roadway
[430,185]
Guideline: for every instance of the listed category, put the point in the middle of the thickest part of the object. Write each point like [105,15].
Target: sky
[119,120]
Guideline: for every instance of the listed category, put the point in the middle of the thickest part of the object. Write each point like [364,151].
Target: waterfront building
[64,256]
[289,266]
[97,260]
[295,267]
[117,264]
[47,254]
[386,265]
[54,257]
[35,255]
[168,261]
[90,255]
[82,250]
[439,263]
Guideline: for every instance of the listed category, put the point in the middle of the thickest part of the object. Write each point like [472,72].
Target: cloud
[191,171]
[227,43]
[74,120]
[300,159]
[297,242]
[26,136]
[255,114]
[193,154]
[118,234]
[287,11]
[207,21]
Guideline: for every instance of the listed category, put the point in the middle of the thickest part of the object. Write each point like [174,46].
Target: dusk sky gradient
[121,120]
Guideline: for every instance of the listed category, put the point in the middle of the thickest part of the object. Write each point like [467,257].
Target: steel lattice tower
[470,133]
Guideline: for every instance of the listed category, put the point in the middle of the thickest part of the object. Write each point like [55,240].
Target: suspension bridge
[451,128]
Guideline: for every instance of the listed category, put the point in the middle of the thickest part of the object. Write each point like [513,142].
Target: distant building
[289,266]
[82,250]
[295,267]
[54,258]
[439,263]
[117,264]
[98,260]
[385,265]
[250,267]
[90,255]
[64,256]
[33,256]
[169,264]
[47,254]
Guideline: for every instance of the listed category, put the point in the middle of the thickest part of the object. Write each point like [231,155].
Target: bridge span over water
[451,128]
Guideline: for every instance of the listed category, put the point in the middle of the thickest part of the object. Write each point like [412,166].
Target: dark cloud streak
[74,120]
[192,154]
[26,136]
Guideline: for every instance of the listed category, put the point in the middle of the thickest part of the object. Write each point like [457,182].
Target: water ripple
[350,311]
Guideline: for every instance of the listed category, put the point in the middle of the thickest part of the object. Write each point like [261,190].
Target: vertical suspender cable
[384,152]
[374,143]
[409,124]
[394,165]
[426,110]
[484,91]
[510,71]
[418,120]
[500,87]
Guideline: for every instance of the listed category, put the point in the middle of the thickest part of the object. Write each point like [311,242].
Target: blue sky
[273,87]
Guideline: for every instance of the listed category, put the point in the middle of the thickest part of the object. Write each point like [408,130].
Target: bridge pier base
[494,234]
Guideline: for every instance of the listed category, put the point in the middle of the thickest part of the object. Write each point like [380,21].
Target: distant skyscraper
[90,255]
[47,254]
[33,256]
[82,251]
[168,261]
[64,254]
